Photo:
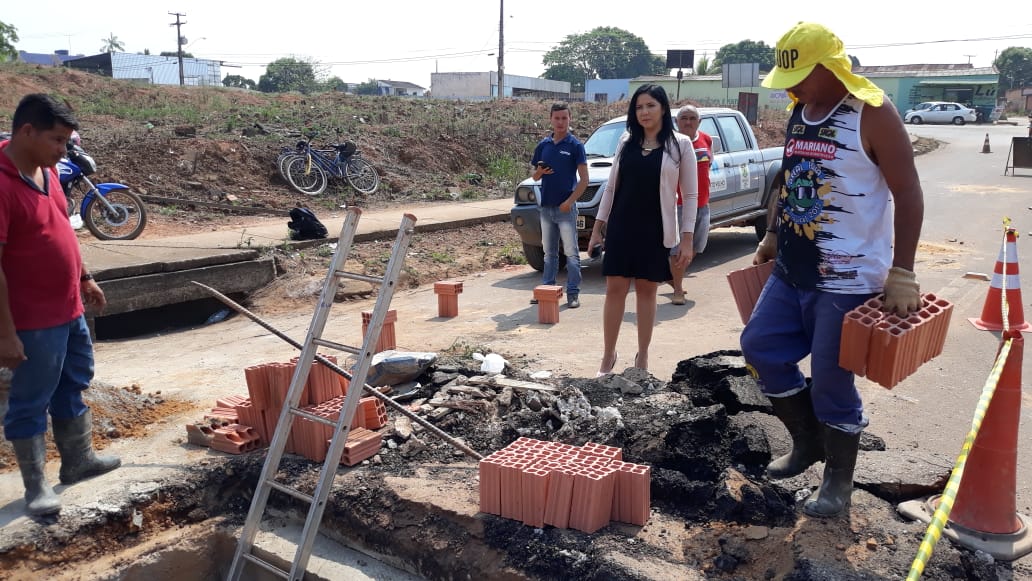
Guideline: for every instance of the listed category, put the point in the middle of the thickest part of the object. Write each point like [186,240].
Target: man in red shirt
[688,121]
[44,340]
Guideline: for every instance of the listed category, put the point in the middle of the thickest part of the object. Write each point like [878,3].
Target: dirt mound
[118,412]
[424,149]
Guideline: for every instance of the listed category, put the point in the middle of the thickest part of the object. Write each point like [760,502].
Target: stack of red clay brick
[323,396]
[887,348]
[564,486]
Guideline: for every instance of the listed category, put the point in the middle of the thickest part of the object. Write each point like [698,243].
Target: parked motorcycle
[110,211]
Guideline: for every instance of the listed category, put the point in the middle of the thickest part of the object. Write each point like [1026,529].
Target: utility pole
[969,57]
[501,49]
[179,44]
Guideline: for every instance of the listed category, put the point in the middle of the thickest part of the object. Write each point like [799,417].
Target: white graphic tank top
[835,231]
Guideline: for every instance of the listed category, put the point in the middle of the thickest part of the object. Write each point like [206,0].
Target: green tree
[112,44]
[288,74]
[186,55]
[8,36]
[1015,66]
[239,82]
[370,87]
[703,66]
[604,53]
[746,51]
[334,84]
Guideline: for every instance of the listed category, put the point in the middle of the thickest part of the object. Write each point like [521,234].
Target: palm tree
[112,44]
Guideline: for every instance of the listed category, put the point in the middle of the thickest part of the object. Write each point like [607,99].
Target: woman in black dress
[639,214]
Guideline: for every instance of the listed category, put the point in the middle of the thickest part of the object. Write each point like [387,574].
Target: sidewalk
[113,259]
[156,272]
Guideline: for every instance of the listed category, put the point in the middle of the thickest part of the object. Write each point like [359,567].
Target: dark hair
[559,106]
[666,131]
[42,112]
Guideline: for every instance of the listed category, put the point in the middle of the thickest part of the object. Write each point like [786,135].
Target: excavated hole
[715,516]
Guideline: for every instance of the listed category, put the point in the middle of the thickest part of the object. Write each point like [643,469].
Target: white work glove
[767,250]
[902,292]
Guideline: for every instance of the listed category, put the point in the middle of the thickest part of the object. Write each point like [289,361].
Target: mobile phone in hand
[543,165]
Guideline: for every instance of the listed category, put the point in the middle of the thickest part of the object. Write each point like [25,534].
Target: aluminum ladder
[317,502]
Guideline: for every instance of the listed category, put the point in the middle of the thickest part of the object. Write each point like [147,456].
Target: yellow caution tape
[949,494]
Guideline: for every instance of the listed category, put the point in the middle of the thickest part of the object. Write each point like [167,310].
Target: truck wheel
[535,256]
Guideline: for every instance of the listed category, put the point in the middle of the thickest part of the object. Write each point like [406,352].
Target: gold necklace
[648,146]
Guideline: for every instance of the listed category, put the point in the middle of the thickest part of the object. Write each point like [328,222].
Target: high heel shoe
[646,368]
[603,373]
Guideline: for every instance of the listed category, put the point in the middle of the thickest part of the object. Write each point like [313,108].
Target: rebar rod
[339,371]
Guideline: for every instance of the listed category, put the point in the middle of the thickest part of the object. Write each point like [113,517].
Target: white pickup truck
[743,178]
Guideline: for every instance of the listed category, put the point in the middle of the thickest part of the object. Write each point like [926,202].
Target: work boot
[74,439]
[836,488]
[32,456]
[796,412]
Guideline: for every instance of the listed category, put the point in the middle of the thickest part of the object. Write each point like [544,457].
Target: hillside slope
[424,149]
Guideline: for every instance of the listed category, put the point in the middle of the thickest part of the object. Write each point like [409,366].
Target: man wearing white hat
[844,228]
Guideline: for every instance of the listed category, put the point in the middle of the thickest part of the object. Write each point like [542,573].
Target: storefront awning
[956,83]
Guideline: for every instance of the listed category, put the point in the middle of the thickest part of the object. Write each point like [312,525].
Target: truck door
[721,190]
[744,162]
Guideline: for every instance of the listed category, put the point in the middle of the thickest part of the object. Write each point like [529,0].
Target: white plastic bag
[492,364]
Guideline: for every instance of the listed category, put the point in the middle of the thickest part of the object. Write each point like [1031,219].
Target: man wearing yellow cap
[844,229]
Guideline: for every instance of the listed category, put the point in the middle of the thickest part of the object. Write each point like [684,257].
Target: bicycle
[307,169]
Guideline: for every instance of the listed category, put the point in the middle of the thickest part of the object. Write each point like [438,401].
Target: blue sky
[408,40]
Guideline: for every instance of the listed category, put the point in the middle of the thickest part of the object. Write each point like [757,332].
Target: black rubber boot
[796,412]
[74,439]
[836,489]
[40,499]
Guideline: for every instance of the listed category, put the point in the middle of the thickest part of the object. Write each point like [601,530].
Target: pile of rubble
[706,436]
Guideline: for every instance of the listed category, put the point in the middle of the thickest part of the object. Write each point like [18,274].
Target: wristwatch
[86,277]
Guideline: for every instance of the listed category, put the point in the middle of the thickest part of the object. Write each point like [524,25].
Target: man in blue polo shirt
[559,161]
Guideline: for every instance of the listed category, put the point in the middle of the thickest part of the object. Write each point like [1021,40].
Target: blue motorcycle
[110,211]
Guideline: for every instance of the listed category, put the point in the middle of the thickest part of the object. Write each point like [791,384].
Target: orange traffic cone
[985,145]
[992,312]
[984,515]
[986,497]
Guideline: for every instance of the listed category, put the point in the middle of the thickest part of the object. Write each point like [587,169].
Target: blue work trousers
[59,366]
[560,227]
[788,324]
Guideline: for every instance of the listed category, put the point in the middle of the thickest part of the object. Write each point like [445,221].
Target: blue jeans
[788,324]
[58,367]
[556,226]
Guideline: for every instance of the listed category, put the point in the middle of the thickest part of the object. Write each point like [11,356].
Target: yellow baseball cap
[807,45]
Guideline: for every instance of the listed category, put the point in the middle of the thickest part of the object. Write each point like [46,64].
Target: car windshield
[603,141]
[923,106]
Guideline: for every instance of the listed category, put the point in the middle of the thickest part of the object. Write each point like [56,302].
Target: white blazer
[676,169]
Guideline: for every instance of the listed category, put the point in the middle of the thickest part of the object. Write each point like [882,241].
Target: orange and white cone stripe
[1005,283]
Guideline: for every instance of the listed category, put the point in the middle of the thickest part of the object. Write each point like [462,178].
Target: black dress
[634,233]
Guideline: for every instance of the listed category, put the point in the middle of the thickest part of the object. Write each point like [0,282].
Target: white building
[400,88]
[484,85]
[146,68]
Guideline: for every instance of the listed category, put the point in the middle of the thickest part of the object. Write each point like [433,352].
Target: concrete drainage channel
[412,511]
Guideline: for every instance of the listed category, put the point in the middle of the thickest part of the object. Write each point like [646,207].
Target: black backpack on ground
[305,226]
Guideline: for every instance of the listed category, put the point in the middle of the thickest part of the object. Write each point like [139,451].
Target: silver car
[940,112]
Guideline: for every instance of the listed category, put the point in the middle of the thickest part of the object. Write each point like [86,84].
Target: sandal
[678,298]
